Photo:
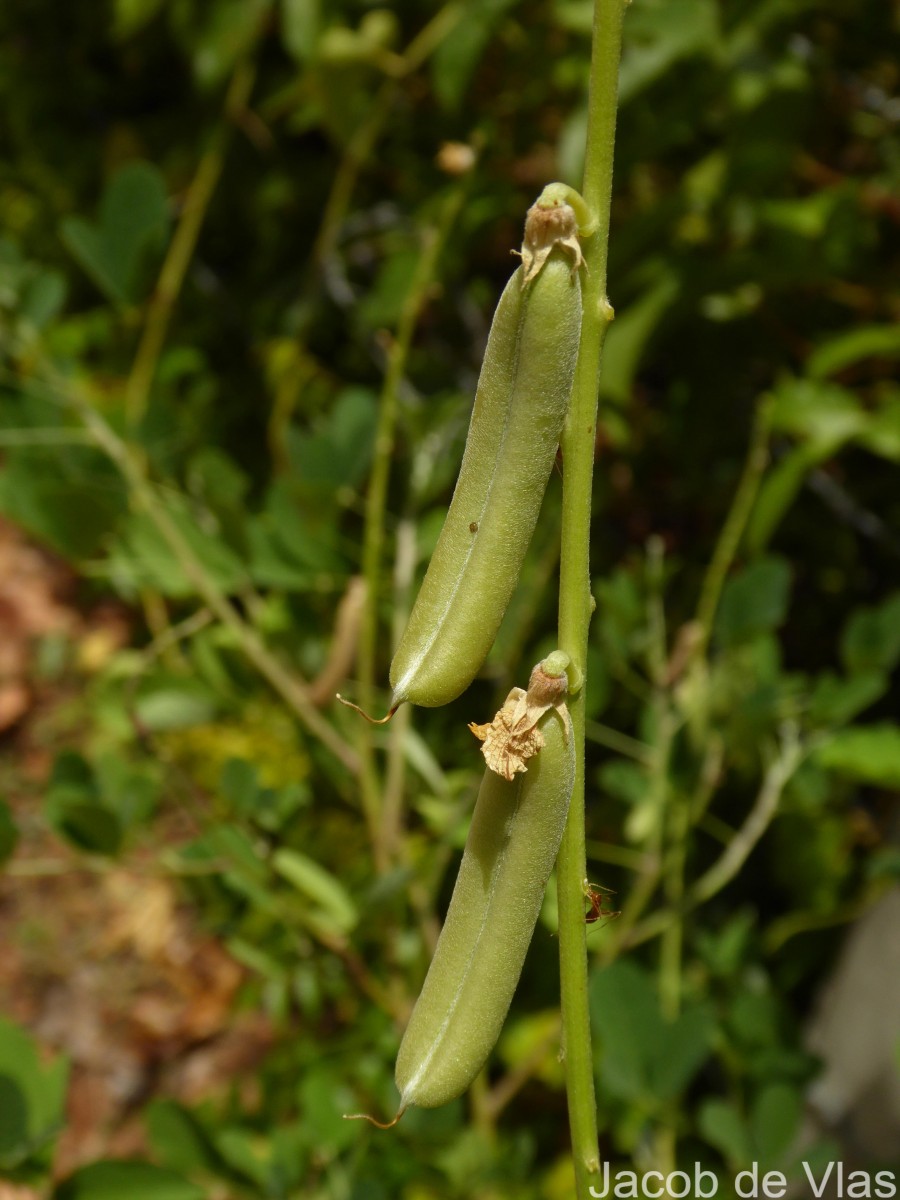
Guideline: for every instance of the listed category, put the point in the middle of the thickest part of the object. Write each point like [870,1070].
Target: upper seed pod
[520,406]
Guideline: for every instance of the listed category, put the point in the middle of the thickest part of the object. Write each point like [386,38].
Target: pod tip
[372,720]
[374,1121]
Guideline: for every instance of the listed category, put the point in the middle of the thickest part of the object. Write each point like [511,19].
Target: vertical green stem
[735,525]
[181,249]
[361,144]
[575,595]
[376,500]
[671,942]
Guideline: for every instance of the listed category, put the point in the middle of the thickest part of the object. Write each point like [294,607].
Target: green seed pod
[520,406]
[509,854]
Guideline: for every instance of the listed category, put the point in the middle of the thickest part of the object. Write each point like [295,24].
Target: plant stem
[739,847]
[358,150]
[181,248]
[376,501]
[760,817]
[651,871]
[612,739]
[395,772]
[733,529]
[574,589]
[383,449]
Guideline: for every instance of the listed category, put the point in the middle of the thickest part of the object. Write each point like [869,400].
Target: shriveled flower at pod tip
[513,737]
[550,222]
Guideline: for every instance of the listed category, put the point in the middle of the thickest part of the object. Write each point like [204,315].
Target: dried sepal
[513,737]
[549,224]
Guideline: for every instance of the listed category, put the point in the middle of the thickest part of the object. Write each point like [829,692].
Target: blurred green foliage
[211,220]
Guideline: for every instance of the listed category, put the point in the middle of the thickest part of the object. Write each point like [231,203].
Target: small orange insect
[594,893]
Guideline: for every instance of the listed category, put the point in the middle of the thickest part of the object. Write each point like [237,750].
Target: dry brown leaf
[13,1191]
[15,699]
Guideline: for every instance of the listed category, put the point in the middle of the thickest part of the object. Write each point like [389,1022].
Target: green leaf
[723,1127]
[239,782]
[337,455]
[575,15]
[116,1180]
[782,484]
[620,611]
[132,15]
[774,1120]
[599,684]
[662,33]
[271,565]
[383,303]
[43,298]
[219,34]
[458,54]
[626,781]
[177,1137]
[871,638]
[42,1085]
[819,411]
[13,1122]
[300,24]
[71,769]
[629,334]
[93,809]
[421,757]
[867,754]
[177,706]
[67,501]
[838,353]
[143,558]
[129,792]
[805,217]
[724,950]
[882,434]
[324,1098]
[754,1017]
[244,1153]
[295,532]
[217,480]
[133,219]
[256,959]
[754,601]
[318,885]
[686,1045]
[85,243]
[91,827]
[835,701]
[625,1014]
[289,1165]
[76,810]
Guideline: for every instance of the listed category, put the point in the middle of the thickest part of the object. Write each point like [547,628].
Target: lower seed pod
[510,851]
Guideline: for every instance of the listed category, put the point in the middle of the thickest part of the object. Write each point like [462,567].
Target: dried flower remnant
[550,222]
[513,737]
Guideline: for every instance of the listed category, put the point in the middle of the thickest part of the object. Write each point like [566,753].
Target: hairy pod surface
[520,406]
[512,845]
